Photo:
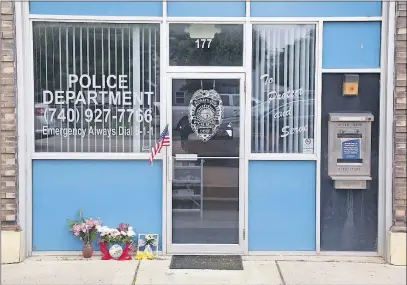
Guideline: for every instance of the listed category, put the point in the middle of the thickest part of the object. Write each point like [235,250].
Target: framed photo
[148,243]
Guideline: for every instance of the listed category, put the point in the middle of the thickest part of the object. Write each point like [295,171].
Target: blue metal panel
[315,9]
[97,8]
[206,9]
[281,205]
[349,217]
[116,191]
[351,45]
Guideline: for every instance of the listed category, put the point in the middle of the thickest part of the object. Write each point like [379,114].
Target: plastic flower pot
[104,249]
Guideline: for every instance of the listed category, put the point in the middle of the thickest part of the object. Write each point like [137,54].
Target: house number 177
[203,43]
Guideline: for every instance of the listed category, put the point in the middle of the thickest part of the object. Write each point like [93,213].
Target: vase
[87,250]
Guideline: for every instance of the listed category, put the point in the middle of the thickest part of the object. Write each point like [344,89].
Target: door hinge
[244,234]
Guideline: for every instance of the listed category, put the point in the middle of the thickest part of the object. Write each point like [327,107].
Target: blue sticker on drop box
[350,148]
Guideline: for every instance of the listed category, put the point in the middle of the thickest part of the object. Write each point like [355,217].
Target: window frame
[206,68]
[30,104]
[252,156]
[203,69]
[165,69]
[317,93]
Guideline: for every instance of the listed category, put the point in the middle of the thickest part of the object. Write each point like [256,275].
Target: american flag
[164,140]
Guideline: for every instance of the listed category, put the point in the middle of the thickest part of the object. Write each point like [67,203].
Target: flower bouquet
[117,240]
[85,230]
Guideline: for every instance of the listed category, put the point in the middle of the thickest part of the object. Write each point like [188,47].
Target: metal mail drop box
[349,149]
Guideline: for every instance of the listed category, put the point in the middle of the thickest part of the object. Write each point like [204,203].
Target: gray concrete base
[75,270]
[255,272]
[324,273]
[93,271]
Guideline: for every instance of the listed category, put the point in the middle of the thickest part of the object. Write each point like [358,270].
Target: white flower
[131,233]
[123,233]
[102,229]
[130,228]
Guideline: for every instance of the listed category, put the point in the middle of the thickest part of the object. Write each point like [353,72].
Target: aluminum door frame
[169,247]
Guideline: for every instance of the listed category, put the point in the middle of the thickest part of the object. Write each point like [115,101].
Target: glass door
[204,197]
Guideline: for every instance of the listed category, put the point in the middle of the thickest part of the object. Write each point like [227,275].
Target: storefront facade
[251,93]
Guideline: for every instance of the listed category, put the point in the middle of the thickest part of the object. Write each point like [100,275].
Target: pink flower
[76,229]
[123,227]
[90,223]
[84,227]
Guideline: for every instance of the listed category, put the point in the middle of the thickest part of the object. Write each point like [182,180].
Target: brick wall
[8,123]
[400,169]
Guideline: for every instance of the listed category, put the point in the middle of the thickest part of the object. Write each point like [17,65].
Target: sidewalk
[257,270]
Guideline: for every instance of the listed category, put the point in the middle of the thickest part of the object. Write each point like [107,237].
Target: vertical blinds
[283,88]
[105,124]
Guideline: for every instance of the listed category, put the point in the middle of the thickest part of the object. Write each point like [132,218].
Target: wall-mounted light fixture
[351,85]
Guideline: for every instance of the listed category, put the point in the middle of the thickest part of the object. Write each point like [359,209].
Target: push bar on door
[186,157]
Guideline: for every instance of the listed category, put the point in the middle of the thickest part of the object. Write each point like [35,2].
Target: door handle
[186,157]
[169,168]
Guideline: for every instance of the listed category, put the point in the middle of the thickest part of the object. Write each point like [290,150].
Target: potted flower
[85,230]
[115,242]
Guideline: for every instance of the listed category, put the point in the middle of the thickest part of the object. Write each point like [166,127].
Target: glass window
[206,123]
[206,45]
[180,97]
[225,100]
[96,87]
[283,89]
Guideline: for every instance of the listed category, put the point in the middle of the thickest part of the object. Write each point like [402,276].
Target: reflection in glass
[225,140]
[206,45]
[205,191]
[283,89]
[206,202]
[105,122]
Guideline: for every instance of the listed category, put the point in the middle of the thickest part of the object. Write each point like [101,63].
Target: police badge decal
[205,113]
